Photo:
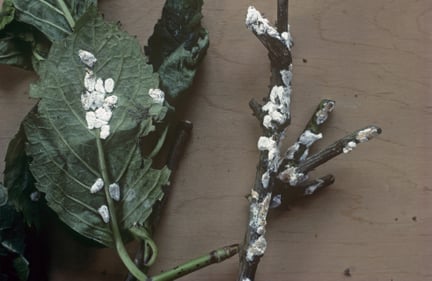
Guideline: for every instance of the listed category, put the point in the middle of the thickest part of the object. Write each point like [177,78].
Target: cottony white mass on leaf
[87,58]
[94,100]
[97,186]
[157,95]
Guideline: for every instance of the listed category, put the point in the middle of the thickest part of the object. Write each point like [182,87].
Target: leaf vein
[49,5]
[142,199]
[94,172]
[68,32]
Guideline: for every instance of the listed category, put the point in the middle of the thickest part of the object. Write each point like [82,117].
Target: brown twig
[343,145]
[312,133]
[182,136]
[274,117]
[282,16]
[316,185]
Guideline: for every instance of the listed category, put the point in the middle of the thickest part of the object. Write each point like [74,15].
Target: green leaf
[21,266]
[177,45]
[54,18]
[14,51]
[11,227]
[179,68]
[3,195]
[13,264]
[20,182]
[6,13]
[67,157]
[28,27]
[21,43]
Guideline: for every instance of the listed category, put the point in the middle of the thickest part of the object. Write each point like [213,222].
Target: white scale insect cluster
[322,115]
[276,115]
[257,248]
[367,134]
[99,102]
[349,146]
[157,95]
[260,25]
[87,58]
[277,108]
[114,192]
[266,143]
[362,136]
[270,145]
[308,138]
[290,174]
[259,210]
[312,188]
[95,100]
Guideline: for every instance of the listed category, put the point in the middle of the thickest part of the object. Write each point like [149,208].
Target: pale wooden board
[374,57]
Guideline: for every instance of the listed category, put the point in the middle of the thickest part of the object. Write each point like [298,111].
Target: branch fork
[292,167]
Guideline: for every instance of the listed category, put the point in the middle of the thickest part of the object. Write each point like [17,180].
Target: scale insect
[104,213]
[94,100]
[114,191]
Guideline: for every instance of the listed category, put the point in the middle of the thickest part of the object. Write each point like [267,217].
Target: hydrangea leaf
[20,182]
[68,158]
[14,265]
[14,51]
[28,27]
[6,13]
[22,267]
[20,44]
[54,18]
[179,68]
[177,45]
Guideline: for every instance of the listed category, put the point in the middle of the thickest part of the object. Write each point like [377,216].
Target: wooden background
[374,57]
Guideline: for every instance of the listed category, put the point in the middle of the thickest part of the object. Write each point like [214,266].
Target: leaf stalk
[120,247]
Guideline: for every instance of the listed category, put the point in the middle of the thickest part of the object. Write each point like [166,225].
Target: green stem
[216,256]
[151,250]
[159,144]
[66,13]
[37,56]
[120,247]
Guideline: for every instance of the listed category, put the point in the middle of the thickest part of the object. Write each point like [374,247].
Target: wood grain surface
[374,57]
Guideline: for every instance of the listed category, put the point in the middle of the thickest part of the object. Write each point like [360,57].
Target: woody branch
[291,168]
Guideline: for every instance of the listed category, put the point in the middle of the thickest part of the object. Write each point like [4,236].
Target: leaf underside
[64,155]
[19,42]
[20,182]
[13,264]
[177,45]
[27,28]
[48,17]
[6,13]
